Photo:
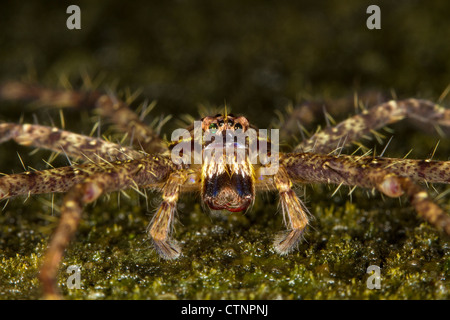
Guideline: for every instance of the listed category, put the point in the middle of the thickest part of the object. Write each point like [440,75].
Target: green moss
[231,258]
[258,57]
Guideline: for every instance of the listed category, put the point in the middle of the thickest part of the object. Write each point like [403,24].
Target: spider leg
[295,214]
[428,171]
[118,112]
[128,121]
[70,217]
[126,175]
[45,181]
[363,124]
[72,144]
[367,173]
[395,186]
[149,170]
[160,227]
[307,111]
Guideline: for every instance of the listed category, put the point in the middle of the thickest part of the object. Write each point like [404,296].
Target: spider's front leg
[146,172]
[295,214]
[161,225]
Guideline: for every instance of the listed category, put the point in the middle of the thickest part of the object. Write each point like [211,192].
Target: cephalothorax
[225,181]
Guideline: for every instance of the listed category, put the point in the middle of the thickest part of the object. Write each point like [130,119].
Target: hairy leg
[161,225]
[367,173]
[72,144]
[395,186]
[71,210]
[45,181]
[295,214]
[128,121]
[364,124]
[118,112]
[129,175]
[147,172]
[352,170]
[308,110]
[428,171]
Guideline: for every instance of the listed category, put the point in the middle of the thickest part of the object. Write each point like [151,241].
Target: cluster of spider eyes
[214,126]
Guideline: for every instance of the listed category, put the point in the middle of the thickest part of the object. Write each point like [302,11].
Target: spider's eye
[237,126]
[230,123]
[213,127]
[220,122]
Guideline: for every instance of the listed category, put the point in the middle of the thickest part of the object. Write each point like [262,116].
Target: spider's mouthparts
[228,186]
[229,199]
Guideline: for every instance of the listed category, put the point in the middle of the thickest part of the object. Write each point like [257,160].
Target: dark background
[257,57]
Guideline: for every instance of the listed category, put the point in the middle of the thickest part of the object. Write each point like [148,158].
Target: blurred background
[254,55]
[258,57]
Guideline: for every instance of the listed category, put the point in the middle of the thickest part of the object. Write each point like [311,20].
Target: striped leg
[71,211]
[128,175]
[146,171]
[72,144]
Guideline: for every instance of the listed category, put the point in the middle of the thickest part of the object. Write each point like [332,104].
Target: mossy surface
[231,257]
[258,57]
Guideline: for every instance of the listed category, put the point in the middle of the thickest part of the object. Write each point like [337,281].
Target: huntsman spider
[230,185]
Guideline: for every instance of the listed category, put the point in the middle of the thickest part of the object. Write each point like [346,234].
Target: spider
[223,185]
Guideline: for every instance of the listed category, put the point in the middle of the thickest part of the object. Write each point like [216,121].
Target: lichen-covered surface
[257,57]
